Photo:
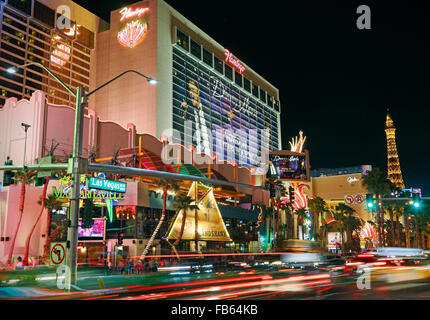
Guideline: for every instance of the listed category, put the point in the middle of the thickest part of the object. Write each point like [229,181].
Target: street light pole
[26,126]
[72,235]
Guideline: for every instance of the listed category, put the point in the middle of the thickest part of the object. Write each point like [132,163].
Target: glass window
[255,90]
[207,57]
[44,14]
[196,49]
[182,40]
[247,84]
[219,65]
[262,95]
[238,78]
[21,5]
[85,37]
[228,72]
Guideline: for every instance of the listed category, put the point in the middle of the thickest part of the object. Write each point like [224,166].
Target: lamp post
[26,126]
[77,162]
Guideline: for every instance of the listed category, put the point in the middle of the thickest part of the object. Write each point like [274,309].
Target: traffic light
[291,194]
[369,201]
[120,238]
[8,178]
[416,200]
[40,182]
[8,175]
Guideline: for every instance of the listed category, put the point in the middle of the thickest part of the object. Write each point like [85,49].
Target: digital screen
[96,231]
[288,167]
[216,116]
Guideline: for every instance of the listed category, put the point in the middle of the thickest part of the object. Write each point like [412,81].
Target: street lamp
[26,126]
[78,167]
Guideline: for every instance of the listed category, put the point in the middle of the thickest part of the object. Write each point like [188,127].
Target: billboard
[288,165]
[216,116]
[96,232]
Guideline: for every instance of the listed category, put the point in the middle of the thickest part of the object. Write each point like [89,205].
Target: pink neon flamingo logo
[133,34]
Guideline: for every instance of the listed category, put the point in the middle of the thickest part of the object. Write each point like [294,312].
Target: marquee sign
[128,13]
[132,32]
[233,62]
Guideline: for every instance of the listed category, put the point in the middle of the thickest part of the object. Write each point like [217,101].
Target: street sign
[45,160]
[57,254]
[359,199]
[349,199]
[109,185]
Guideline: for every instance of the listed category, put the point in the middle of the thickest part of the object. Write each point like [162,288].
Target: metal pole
[76,180]
[25,145]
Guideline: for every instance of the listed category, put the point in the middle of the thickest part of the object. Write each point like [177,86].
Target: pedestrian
[110,266]
[121,266]
[154,266]
[19,265]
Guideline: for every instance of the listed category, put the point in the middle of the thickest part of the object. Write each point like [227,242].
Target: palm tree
[27,241]
[166,184]
[25,177]
[183,203]
[376,182]
[51,204]
[317,206]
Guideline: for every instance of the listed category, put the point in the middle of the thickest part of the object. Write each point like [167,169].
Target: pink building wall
[55,123]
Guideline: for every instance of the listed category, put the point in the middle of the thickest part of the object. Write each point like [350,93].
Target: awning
[238,213]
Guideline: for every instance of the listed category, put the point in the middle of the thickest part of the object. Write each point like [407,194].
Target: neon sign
[133,34]
[128,13]
[234,62]
[61,57]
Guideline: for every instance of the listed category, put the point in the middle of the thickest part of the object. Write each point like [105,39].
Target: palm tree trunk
[181,232]
[21,212]
[391,213]
[27,242]
[47,233]
[277,212]
[398,242]
[407,235]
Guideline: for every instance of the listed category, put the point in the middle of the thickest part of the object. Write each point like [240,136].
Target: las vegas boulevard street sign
[109,185]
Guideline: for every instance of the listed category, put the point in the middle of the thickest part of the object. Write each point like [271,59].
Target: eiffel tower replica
[393,163]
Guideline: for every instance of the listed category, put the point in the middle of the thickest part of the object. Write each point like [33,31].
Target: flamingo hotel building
[202,88]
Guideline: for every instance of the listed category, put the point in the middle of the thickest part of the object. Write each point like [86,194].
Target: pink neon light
[128,13]
[235,62]
[132,34]
[60,57]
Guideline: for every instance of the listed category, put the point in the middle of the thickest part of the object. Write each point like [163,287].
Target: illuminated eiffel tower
[393,163]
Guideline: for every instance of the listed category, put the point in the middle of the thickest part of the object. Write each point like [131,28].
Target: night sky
[335,81]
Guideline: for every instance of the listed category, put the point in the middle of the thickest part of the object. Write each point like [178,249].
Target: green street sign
[45,160]
[109,185]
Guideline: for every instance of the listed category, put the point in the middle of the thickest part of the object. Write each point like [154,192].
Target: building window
[196,49]
[219,65]
[262,95]
[44,14]
[85,37]
[21,5]
[246,84]
[255,90]
[238,78]
[207,57]
[182,40]
[228,72]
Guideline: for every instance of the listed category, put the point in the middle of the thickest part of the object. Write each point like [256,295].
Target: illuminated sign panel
[212,104]
[233,62]
[287,165]
[134,27]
